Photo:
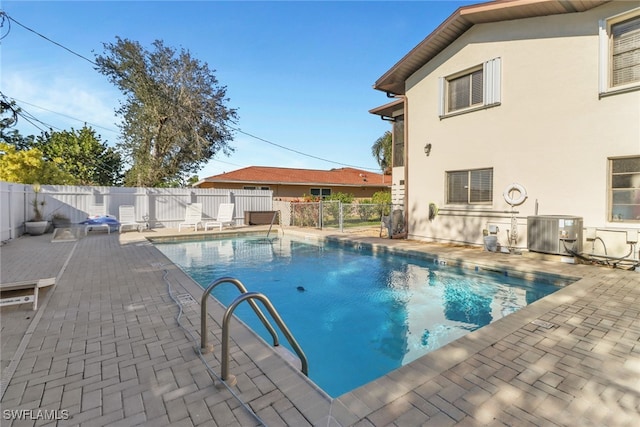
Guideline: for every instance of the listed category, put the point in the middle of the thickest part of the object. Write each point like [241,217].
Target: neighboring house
[288,183]
[544,94]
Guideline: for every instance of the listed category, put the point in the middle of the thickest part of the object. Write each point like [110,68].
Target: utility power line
[4,14]
[10,19]
[66,115]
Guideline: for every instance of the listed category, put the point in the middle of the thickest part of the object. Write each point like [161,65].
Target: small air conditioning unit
[554,234]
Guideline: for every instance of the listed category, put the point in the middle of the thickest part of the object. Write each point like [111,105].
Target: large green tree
[381,150]
[174,116]
[82,154]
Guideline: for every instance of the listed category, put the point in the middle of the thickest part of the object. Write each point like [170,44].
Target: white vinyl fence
[154,207]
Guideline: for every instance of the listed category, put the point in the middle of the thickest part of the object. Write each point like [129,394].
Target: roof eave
[463,19]
[387,110]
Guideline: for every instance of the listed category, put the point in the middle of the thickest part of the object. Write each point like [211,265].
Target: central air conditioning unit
[554,234]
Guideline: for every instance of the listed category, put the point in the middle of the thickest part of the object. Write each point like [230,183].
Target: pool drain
[185,300]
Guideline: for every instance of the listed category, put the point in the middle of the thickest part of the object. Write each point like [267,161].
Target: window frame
[468,199]
[612,216]
[491,88]
[321,192]
[605,35]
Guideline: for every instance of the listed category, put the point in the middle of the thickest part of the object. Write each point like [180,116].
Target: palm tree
[381,150]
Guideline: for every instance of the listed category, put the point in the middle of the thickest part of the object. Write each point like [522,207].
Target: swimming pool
[357,315]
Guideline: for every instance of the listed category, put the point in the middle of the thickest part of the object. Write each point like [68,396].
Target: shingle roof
[275,175]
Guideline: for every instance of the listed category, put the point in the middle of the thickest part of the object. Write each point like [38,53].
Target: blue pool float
[110,220]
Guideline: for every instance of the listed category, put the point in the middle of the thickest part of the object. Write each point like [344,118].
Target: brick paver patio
[105,348]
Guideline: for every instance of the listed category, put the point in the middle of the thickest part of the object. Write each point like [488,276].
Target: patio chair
[225,217]
[127,217]
[96,212]
[192,217]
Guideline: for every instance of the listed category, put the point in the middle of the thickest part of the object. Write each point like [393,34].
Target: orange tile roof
[275,175]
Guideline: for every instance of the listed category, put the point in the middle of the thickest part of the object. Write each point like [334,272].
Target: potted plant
[37,224]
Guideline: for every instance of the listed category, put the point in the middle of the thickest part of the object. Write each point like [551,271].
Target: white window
[474,88]
[624,188]
[253,187]
[620,53]
[470,186]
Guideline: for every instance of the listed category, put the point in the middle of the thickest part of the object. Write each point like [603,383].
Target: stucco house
[512,111]
[290,183]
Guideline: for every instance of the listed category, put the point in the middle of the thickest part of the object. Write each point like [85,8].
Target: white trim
[442,91]
[603,57]
[492,81]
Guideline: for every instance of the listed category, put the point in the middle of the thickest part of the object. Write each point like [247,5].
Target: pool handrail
[275,214]
[274,314]
[204,347]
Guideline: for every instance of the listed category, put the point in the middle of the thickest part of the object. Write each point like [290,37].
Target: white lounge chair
[127,217]
[34,285]
[225,217]
[192,217]
[96,211]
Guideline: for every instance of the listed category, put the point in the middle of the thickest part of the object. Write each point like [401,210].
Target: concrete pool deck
[105,348]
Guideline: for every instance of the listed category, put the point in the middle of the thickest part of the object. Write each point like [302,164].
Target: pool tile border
[449,261]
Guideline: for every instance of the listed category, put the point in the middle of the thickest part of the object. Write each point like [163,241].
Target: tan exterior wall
[552,132]
[289,192]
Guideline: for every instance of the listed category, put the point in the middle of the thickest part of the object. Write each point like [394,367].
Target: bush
[383,198]
[368,212]
[333,209]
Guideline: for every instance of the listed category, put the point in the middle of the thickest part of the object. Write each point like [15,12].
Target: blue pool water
[356,315]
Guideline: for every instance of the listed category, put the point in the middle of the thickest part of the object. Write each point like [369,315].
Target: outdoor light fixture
[427,149]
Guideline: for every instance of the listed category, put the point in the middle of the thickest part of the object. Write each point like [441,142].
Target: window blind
[459,93]
[480,87]
[457,187]
[625,52]
[481,189]
[470,186]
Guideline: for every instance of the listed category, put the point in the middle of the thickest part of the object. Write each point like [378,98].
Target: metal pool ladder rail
[207,348]
[249,297]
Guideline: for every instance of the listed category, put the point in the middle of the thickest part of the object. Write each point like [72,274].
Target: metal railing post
[225,333]
[204,346]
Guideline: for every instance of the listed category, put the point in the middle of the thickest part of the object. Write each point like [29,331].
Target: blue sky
[300,74]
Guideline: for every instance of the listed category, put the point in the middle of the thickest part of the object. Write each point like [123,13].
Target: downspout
[406,165]
[405,154]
